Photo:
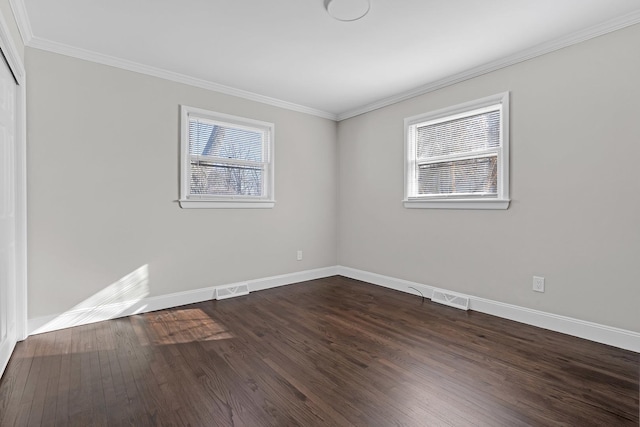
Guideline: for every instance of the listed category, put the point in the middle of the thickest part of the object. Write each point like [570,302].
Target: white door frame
[16,65]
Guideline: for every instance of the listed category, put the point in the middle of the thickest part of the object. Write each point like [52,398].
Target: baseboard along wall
[616,337]
[603,334]
[88,315]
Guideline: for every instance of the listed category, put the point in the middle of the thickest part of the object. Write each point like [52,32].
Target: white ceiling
[293,51]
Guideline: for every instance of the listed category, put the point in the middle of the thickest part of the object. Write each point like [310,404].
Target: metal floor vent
[450,299]
[225,292]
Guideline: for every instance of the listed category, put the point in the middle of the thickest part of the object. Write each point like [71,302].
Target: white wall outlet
[538,284]
[299,256]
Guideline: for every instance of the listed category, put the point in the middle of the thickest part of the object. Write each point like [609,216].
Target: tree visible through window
[213,149]
[229,158]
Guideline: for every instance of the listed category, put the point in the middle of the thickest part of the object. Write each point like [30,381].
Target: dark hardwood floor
[327,352]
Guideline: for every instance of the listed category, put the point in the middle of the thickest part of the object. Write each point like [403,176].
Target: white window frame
[455,201]
[207,201]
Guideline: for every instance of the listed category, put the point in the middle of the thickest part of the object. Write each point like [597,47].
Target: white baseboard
[6,348]
[288,279]
[616,337]
[88,315]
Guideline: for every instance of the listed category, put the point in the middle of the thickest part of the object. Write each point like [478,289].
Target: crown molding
[22,20]
[539,50]
[24,27]
[30,40]
[75,52]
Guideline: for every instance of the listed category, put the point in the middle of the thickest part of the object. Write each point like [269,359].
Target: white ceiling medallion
[347,10]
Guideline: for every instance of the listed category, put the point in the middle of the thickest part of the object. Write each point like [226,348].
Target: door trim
[16,65]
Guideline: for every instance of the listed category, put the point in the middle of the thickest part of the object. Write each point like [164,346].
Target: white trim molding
[87,315]
[524,55]
[21,213]
[22,20]
[16,64]
[192,117]
[603,334]
[498,103]
[480,204]
[30,40]
[8,46]
[124,64]
[211,204]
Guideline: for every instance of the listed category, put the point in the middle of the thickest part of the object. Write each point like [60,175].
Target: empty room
[319,213]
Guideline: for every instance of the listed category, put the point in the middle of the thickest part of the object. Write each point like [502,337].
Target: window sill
[226,204]
[484,204]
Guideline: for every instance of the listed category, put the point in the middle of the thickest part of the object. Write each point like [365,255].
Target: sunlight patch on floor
[183,326]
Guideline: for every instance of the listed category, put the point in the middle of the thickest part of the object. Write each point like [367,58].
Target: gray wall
[575,210]
[103,178]
[103,155]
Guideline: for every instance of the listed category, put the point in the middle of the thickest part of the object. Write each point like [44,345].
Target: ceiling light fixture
[347,10]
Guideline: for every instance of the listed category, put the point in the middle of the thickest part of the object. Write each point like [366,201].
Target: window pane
[226,142]
[459,177]
[226,180]
[464,135]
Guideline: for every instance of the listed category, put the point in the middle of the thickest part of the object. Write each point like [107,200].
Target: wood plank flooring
[330,352]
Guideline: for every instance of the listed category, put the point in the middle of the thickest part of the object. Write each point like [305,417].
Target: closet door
[8,91]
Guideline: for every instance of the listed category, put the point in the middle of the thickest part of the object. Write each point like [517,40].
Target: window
[458,157]
[227,161]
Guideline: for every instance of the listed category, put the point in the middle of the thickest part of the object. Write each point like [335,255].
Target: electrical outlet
[299,256]
[538,284]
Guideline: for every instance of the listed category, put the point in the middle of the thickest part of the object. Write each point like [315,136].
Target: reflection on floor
[332,351]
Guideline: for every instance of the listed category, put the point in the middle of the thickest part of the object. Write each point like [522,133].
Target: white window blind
[226,159]
[458,154]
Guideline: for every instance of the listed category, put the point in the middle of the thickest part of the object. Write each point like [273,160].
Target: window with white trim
[458,157]
[227,161]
